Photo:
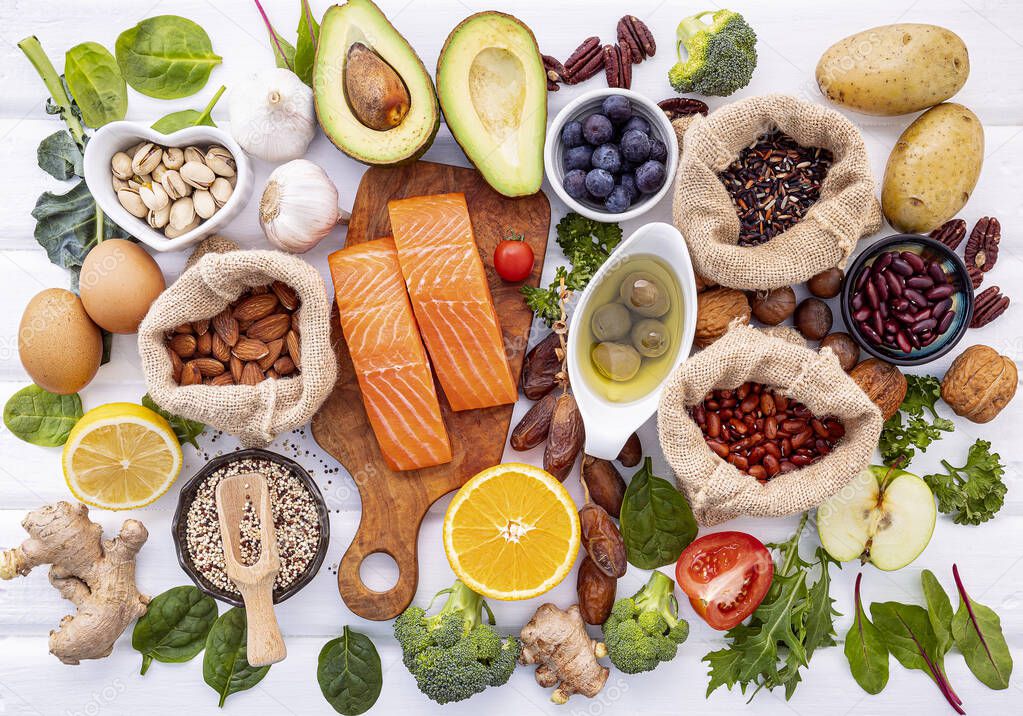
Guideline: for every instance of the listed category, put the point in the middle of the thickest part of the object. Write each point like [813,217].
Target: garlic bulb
[272,115]
[299,206]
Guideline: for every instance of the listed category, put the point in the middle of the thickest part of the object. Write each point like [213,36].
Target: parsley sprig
[973,492]
[917,424]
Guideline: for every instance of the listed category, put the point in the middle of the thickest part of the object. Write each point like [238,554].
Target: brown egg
[58,343]
[118,284]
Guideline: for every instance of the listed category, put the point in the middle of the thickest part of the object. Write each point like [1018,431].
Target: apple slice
[885,516]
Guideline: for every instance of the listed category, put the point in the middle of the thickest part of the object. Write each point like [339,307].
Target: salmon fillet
[451,299]
[388,355]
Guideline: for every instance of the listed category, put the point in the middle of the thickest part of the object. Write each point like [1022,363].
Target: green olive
[616,361]
[650,337]
[645,294]
[611,322]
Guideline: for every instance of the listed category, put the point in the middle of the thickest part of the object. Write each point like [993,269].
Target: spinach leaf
[186,430]
[939,611]
[305,48]
[907,633]
[657,522]
[60,156]
[175,627]
[284,51]
[978,634]
[349,673]
[96,84]
[40,417]
[865,649]
[166,57]
[188,117]
[224,666]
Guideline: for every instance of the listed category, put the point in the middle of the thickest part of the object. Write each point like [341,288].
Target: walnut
[883,383]
[979,383]
[715,309]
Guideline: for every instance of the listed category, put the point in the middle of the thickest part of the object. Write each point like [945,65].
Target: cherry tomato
[726,575]
[513,259]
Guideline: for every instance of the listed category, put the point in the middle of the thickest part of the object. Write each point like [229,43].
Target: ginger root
[566,656]
[97,575]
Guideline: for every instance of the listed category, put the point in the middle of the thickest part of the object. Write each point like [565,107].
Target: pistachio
[220,161]
[157,174]
[146,159]
[197,174]
[153,196]
[118,183]
[135,182]
[193,154]
[204,204]
[174,185]
[131,201]
[221,189]
[182,213]
[233,180]
[130,151]
[171,233]
[158,218]
[173,157]
[120,166]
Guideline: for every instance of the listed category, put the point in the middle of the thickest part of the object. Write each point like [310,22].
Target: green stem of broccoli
[659,595]
[689,27]
[466,602]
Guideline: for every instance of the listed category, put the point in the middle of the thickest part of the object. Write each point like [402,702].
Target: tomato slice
[726,575]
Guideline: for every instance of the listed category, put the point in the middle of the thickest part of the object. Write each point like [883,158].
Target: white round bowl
[582,107]
[609,424]
[118,136]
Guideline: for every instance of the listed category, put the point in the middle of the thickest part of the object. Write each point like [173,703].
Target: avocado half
[493,91]
[360,21]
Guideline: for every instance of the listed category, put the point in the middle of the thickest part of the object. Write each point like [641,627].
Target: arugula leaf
[186,430]
[978,634]
[865,649]
[305,48]
[60,156]
[917,424]
[973,492]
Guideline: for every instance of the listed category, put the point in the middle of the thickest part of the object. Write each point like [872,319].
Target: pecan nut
[987,306]
[951,233]
[586,61]
[982,247]
[676,107]
[617,66]
[976,276]
[555,72]
[634,34]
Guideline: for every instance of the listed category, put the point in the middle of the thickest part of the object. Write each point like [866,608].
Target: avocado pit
[375,93]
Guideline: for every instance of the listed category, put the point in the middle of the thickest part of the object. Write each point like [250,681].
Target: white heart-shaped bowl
[118,136]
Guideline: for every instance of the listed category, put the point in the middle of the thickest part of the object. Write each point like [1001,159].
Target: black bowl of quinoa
[301,522]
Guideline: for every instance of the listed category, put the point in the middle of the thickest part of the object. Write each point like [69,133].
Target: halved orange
[512,532]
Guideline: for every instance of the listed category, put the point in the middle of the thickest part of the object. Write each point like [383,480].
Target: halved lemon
[512,532]
[121,456]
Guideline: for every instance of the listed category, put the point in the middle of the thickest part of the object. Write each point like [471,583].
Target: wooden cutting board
[393,504]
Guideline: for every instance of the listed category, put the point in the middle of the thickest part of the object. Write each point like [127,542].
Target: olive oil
[628,353]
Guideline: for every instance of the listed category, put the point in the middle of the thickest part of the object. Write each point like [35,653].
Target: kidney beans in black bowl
[907,299]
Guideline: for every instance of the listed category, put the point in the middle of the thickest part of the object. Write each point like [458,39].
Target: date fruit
[535,424]
[602,540]
[541,367]
[604,483]
[631,452]
[565,439]
[595,591]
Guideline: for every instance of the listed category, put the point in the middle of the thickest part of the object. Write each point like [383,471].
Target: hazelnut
[774,306]
[813,319]
[715,309]
[844,347]
[883,383]
[826,284]
[979,383]
[703,283]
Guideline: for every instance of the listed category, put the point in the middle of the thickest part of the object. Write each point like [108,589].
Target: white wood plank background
[792,37]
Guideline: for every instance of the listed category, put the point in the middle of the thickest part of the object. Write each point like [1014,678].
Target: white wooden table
[792,37]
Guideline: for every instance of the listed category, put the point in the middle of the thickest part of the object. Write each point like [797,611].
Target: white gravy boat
[609,424]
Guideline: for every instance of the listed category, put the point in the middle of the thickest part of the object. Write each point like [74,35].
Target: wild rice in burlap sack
[215,275]
[716,489]
[703,210]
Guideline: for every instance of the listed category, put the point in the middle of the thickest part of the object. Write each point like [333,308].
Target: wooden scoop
[256,581]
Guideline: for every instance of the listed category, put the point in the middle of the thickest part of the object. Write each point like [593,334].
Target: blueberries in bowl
[613,157]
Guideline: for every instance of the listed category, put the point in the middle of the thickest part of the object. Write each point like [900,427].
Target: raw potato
[933,168]
[894,69]
[59,345]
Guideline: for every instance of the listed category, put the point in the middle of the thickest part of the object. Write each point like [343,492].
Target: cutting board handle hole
[379,571]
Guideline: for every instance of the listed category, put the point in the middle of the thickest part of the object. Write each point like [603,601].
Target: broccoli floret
[644,630]
[721,55]
[454,653]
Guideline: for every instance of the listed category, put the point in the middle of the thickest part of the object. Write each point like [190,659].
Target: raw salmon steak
[450,296]
[388,355]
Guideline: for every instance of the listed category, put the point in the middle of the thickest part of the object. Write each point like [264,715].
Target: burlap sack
[216,274]
[703,210]
[717,490]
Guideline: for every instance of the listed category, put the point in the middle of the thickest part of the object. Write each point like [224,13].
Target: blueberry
[575,184]
[572,134]
[650,177]
[599,182]
[618,108]
[628,182]
[597,129]
[635,146]
[628,166]
[637,123]
[658,150]
[618,200]
[577,157]
[607,157]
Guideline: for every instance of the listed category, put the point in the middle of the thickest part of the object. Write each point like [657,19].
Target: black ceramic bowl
[962,299]
[188,492]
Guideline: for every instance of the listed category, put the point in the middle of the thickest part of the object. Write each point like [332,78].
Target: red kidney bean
[857,301]
[883,261]
[881,287]
[941,307]
[920,282]
[927,324]
[862,314]
[870,333]
[936,272]
[894,284]
[899,304]
[872,298]
[946,321]
[914,260]
[902,341]
[939,292]
[914,296]
[902,267]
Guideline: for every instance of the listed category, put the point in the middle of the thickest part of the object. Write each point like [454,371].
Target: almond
[176,366]
[259,290]
[190,374]
[204,344]
[201,327]
[270,328]
[284,366]
[221,351]
[285,294]
[183,344]
[208,367]
[248,349]
[291,341]
[183,328]
[251,374]
[236,368]
[222,379]
[226,327]
[296,318]
[272,374]
[255,307]
[275,352]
